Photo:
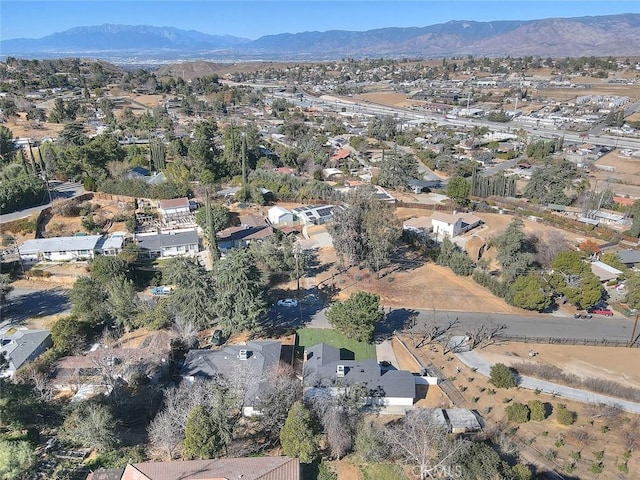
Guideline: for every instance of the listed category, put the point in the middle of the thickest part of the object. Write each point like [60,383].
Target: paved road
[59,190]
[597,328]
[24,303]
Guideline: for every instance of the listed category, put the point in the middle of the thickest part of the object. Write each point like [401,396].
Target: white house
[175,206]
[59,249]
[111,245]
[452,225]
[280,216]
[173,244]
[326,372]
[419,225]
[314,214]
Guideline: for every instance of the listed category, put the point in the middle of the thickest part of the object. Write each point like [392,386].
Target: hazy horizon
[254,19]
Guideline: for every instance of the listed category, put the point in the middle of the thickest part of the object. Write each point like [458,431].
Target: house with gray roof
[314,214]
[630,258]
[173,244]
[22,346]
[59,249]
[325,369]
[252,361]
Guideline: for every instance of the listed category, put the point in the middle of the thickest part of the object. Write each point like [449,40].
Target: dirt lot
[547,442]
[23,128]
[625,180]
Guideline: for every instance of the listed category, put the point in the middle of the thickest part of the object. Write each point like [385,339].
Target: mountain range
[616,35]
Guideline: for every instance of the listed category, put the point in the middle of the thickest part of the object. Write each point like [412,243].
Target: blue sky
[252,19]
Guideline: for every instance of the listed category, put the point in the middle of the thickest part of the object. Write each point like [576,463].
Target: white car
[287,302]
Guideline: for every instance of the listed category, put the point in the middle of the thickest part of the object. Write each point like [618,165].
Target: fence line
[568,341]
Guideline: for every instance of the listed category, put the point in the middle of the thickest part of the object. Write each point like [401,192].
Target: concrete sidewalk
[473,360]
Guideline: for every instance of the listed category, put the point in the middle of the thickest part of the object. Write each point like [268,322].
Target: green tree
[70,335]
[366,231]
[16,459]
[397,170]
[240,292]
[458,190]
[298,436]
[537,409]
[7,146]
[122,300]
[516,253]
[193,298]
[480,461]
[91,425]
[357,316]
[522,472]
[220,217]
[573,278]
[88,299]
[564,416]
[528,293]
[5,286]
[518,413]
[201,438]
[549,184]
[105,268]
[632,298]
[502,377]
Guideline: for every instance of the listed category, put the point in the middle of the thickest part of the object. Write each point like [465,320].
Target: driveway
[25,303]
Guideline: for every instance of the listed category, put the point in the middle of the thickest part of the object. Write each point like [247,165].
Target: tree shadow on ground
[35,304]
[394,320]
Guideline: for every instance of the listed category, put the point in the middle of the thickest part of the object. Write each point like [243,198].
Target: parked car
[582,315]
[160,290]
[601,311]
[287,302]
[217,338]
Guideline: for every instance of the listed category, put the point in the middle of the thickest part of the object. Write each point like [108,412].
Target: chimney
[340,371]
[242,354]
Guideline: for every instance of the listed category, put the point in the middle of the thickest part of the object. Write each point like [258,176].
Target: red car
[601,311]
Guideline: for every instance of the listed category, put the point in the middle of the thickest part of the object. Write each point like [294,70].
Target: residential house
[420,185]
[251,468]
[314,214]
[604,272]
[452,225]
[242,236]
[174,207]
[253,361]
[630,258]
[111,245]
[325,370]
[22,346]
[280,216]
[59,249]
[419,225]
[173,244]
[97,371]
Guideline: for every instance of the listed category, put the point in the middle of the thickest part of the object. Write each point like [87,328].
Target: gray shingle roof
[629,256]
[20,345]
[262,357]
[321,365]
[155,243]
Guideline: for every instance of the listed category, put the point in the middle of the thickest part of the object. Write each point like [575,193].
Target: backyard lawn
[310,336]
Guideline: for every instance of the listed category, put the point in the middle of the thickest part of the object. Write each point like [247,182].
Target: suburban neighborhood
[355,269]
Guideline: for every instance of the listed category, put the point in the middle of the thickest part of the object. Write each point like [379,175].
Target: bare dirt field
[23,128]
[625,180]
[570,449]
[608,363]
[387,98]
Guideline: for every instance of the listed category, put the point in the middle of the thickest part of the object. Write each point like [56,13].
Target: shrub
[518,412]
[522,472]
[538,410]
[564,416]
[502,377]
[596,467]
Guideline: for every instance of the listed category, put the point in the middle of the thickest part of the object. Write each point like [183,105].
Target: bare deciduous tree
[186,331]
[483,334]
[419,440]
[425,330]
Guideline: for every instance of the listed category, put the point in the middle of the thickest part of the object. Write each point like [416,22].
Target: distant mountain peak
[598,36]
